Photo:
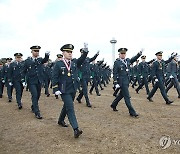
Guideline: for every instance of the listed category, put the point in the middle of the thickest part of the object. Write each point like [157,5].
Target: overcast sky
[150,24]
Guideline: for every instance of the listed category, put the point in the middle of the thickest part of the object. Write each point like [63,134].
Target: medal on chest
[69,74]
[68,66]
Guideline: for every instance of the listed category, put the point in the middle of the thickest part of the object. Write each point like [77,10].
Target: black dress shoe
[10,100]
[179,96]
[19,107]
[114,95]
[77,133]
[62,123]
[98,94]
[137,91]
[90,93]
[32,108]
[114,108]
[56,96]
[79,101]
[102,88]
[38,116]
[0,96]
[169,102]
[150,99]
[134,115]
[48,95]
[89,105]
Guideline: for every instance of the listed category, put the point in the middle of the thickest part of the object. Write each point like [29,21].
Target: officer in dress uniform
[179,70]
[1,79]
[6,70]
[95,76]
[158,69]
[136,74]
[172,72]
[143,71]
[47,78]
[65,82]
[33,70]
[121,79]
[59,57]
[85,78]
[16,77]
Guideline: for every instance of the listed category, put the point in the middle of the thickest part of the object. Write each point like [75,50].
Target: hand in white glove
[47,52]
[171,77]
[24,84]
[141,51]
[97,53]
[10,83]
[58,93]
[117,86]
[156,80]
[174,54]
[85,47]
[3,81]
[141,76]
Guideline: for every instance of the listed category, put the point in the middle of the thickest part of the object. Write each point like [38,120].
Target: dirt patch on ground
[104,131]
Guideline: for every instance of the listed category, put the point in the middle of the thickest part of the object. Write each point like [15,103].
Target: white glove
[3,81]
[174,54]
[91,77]
[24,84]
[85,47]
[156,80]
[141,51]
[117,86]
[58,93]
[47,52]
[171,77]
[10,83]
[141,76]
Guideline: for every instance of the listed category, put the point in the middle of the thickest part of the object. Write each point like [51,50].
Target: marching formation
[67,75]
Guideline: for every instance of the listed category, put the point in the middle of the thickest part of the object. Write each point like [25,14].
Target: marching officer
[1,79]
[179,71]
[65,82]
[121,79]
[136,74]
[6,70]
[144,72]
[85,78]
[158,69]
[33,70]
[95,77]
[16,77]
[47,78]
[172,71]
[59,57]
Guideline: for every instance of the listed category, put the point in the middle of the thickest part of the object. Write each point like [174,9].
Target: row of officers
[72,74]
[163,74]
[68,75]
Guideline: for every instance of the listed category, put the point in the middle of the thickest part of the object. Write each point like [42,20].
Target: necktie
[68,63]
